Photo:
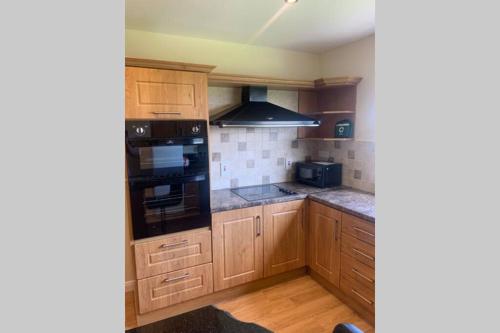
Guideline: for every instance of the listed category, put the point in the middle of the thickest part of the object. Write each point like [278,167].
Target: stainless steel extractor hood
[256,111]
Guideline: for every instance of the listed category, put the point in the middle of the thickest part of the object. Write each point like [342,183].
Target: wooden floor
[300,305]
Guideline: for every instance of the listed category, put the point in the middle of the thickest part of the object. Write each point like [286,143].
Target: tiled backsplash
[253,156]
[357,158]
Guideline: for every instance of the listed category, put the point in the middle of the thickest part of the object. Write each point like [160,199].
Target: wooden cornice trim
[247,80]
[337,81]
[173,65]
[243,80]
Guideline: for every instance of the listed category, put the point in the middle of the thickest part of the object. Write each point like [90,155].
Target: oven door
[309,174]
[167,205]
[178,157]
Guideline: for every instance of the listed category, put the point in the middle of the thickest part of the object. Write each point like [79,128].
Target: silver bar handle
[363,231]
[336,229]
[361,296]
[363,254]
[355,271]
[176,278]
[166,246]
[258,226]
[165,112]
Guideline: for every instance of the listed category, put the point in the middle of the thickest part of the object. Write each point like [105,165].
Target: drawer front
[358,292]
[358,228]
[173,253]
[359,250]
[357,271]
[167,289]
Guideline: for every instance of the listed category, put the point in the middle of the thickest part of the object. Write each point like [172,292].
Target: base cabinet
[238,247]
[173,268]
[342,250]
[284,240]
[256,242]
[324,244]
[358,260]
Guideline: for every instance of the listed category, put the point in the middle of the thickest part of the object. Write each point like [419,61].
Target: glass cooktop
[261,192]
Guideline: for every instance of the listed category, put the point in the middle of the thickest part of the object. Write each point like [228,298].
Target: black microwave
[320,174]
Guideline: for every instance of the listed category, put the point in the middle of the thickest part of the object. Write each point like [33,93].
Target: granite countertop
[346,199]
[351,201]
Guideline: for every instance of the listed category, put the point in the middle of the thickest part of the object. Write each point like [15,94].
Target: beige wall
[248,165]
[356,59]
[231,58]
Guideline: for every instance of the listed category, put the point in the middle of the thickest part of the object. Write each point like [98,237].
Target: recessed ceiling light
[291,1]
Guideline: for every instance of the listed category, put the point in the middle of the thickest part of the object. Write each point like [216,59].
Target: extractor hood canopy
[256,111]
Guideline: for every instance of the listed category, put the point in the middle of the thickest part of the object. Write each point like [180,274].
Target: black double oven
[168,176]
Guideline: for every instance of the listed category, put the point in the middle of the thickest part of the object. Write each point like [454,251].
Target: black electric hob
[261,192]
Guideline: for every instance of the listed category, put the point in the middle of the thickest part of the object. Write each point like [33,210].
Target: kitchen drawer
[358,228]
[357,271]
[358,292]
[167,289]
[172,253]
[359,250]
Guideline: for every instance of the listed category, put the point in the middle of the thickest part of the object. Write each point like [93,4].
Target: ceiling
[309,25]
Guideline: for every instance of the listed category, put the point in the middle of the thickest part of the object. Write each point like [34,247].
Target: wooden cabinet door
[165,94]
[284,242]
[325,241]
[237,247]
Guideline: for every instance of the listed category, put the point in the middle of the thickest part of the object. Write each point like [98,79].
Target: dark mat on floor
[204,320]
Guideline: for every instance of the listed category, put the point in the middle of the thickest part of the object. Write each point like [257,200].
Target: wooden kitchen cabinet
[238,245]
[171,288]
[324,241]
[173,252]
[284,240]
[358,260]
[165,94]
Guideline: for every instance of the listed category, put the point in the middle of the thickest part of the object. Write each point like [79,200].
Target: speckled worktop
[351,201]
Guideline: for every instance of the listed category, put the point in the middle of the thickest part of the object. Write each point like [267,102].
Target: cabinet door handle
[165,112]
[166,246]
[258,226]
[363,254]
[176,278]
[361,296]
[336,229]
[303,218]
[355,271]
[363,231]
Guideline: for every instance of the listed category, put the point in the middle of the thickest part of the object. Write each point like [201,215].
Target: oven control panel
[138,129]
[164,129]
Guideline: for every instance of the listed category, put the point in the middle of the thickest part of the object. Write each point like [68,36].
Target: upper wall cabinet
[165,94]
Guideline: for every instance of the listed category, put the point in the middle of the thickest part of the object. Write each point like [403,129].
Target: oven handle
[143,182]
[155,142]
